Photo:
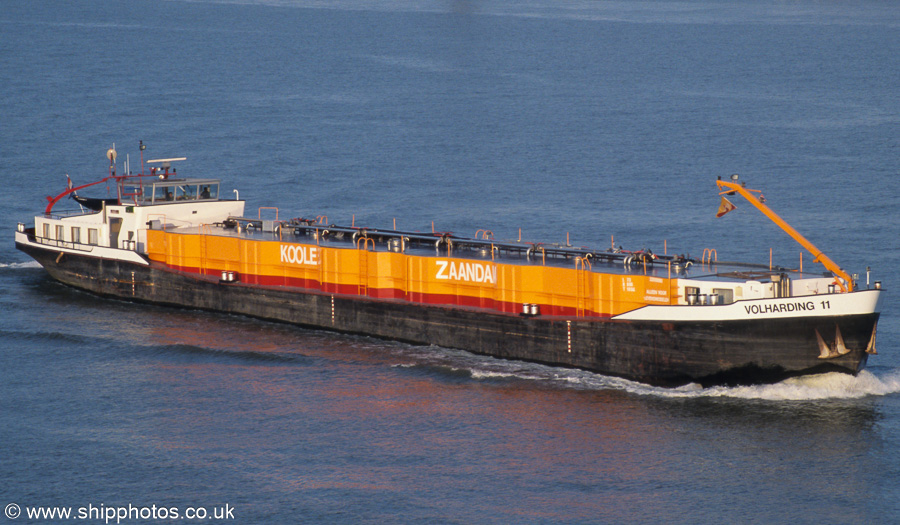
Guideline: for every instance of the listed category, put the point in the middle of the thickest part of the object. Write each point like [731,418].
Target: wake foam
[832,385]
[28,264]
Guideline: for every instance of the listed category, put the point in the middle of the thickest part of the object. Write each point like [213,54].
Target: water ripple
[243,355]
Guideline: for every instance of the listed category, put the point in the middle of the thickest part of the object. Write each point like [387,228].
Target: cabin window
[726,295]
[163,193]
[46,231]
[60,232]
[76,234]
[209,191]
[186,192]
[93,236]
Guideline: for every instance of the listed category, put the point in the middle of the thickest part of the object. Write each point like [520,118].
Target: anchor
[871,348]
[838,349]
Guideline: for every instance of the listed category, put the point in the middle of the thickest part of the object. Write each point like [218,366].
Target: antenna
[165,164]
[142,148]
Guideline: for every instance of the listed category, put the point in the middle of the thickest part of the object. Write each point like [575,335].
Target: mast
[142,148]
[818,256]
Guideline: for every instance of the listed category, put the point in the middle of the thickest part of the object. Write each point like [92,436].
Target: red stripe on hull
[315,286]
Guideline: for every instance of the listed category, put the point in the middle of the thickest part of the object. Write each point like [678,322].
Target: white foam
[27,264]
[499,374]
[816,387]
[805,388]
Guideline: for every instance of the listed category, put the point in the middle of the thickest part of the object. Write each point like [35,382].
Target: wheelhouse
[168,191]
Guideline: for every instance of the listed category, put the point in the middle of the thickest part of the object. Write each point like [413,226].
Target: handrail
[365,240]
[72,245]
[486,235]
[261,208]
[818,255]
[414,239]
[584,262]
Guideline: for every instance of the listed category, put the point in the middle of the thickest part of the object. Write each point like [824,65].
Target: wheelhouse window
[92,236]
[209,191]
[60,232]
[186,192]
[163,193]
[46,231]
[76,234]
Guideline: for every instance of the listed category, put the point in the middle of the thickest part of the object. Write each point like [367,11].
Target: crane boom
[818,255]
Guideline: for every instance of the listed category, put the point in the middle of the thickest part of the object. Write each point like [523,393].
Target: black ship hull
[654,352]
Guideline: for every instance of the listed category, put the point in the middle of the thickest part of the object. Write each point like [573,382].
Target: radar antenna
[165,164]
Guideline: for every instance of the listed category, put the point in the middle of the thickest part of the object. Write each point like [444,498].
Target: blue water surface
[605,121]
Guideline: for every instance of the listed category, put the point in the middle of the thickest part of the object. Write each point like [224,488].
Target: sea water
[606,122]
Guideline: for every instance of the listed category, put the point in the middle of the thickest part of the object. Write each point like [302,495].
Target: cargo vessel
[662,319]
